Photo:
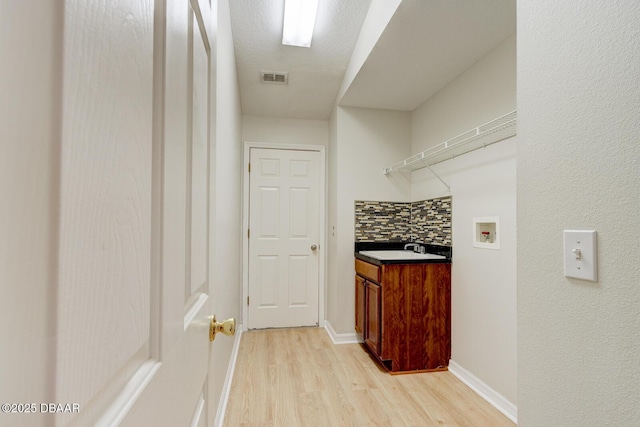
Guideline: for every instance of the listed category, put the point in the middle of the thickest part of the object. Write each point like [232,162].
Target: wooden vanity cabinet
[403,314]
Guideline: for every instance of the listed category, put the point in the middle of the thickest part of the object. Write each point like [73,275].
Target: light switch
[580,255]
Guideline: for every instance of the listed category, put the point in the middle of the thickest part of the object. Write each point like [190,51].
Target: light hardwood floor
[298,377]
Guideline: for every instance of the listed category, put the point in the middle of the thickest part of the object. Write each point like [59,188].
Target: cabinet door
[373,317]
[360,305]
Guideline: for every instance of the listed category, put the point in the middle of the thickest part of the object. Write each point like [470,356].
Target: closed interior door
[284,228]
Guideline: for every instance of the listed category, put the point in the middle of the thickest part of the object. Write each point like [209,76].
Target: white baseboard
[487,393]
[350,338]
[226,388]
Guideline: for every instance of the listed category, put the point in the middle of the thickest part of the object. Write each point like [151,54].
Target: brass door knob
[226,327]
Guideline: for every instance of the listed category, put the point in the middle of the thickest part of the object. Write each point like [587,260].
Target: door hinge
[248,233]
[247,300]
[249,167]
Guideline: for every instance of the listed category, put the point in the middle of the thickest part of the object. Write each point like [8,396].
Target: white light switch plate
[580,255]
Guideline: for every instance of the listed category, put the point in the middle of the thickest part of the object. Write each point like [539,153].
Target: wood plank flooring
[298,377]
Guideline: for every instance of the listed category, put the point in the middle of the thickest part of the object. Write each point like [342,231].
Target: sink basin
[398,255]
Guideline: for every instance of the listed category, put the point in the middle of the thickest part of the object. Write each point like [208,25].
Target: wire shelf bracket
[441,180]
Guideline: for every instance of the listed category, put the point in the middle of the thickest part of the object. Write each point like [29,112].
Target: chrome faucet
[415,246]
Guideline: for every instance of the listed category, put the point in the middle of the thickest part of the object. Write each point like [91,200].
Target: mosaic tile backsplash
[383,221]
[426,221]
[431,221]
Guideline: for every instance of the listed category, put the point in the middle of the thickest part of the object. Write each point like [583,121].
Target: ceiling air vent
[278,77]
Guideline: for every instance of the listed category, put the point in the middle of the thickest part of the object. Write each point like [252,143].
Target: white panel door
[177,393]
[104,308]
[284,224]
[128,272]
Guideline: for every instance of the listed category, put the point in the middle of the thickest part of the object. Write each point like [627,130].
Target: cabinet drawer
[370,271]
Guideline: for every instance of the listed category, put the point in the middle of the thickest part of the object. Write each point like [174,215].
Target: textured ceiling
[426,44]
[315,74]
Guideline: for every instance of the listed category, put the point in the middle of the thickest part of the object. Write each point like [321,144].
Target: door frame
[321,149]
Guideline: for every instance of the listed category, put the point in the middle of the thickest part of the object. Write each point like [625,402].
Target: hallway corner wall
[483,184]
[364,142]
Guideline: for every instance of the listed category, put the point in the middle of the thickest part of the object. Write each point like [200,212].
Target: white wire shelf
[496,130]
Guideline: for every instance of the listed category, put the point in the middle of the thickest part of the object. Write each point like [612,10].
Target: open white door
[127,243]
[177,393]
[284,224]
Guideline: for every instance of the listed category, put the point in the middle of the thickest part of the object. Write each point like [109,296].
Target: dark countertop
[380,246]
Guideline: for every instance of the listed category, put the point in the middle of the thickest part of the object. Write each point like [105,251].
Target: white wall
[285,131]
[363,142]
[578,168]
[331,289]
[378,16]
[227,209]
[273,130]
[483,92]
[483,183]
[30,84]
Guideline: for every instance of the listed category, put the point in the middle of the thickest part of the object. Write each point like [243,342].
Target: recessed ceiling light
[299,20]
